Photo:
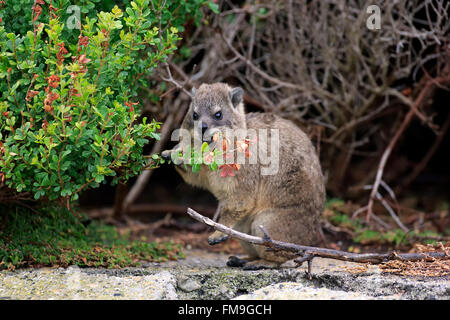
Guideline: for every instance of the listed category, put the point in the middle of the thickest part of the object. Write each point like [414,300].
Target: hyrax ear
[236,95]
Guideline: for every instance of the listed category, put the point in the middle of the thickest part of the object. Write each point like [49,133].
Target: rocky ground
[204,275]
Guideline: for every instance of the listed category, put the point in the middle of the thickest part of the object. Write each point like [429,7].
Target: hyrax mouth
[208,135]
[207,139]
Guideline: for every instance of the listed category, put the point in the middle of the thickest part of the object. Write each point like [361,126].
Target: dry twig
[307,253]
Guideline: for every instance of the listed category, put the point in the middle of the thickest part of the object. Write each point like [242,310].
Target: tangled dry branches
[319,65]
[355,90]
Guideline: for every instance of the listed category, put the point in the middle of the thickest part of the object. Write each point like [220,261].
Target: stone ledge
[205,276]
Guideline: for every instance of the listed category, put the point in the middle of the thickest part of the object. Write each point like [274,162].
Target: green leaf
[214,7]
[205,147]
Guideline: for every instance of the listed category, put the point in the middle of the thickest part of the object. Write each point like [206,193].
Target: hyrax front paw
[217,237]
[166,154]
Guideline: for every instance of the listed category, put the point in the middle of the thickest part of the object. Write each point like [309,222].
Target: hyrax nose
[204,127]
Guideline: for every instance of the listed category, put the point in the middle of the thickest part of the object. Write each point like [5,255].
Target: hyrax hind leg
[293,224]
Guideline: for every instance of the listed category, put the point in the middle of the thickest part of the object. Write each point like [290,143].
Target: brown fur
[288,204]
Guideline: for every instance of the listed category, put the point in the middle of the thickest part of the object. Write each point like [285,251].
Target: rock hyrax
[288,203]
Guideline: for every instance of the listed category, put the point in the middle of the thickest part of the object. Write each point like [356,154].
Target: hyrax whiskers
[288,203]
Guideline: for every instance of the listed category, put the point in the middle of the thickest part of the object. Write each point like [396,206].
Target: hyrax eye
[218,115]
[195,116]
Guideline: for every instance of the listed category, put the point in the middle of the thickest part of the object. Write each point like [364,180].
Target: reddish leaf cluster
[83,61]
[227,169]
[49,100]
[62,51]
[105,44]
[37,9]
[243,146]
[52,10]
[31,94]
[131,104]
[53,81]
[74,92]
[44,124]
[82,42]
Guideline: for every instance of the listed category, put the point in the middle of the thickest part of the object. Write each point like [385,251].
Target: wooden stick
[309,253]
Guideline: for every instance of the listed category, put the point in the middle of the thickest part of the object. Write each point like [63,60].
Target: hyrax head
[215,108]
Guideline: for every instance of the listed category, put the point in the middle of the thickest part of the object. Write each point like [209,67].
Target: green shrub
[56,237]
[68,105]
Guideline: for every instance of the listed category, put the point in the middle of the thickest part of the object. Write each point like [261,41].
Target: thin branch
[392,213]
[173,81]
[278,81]
[309,253]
